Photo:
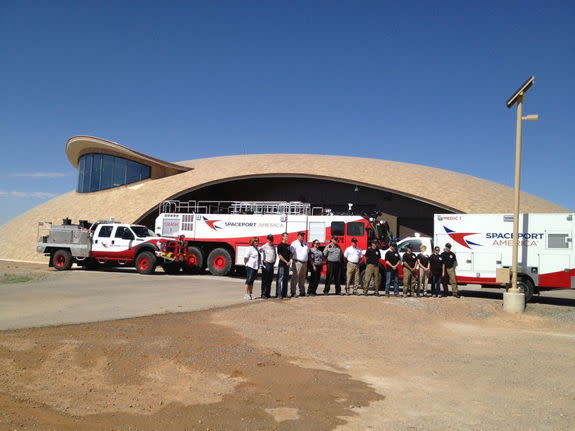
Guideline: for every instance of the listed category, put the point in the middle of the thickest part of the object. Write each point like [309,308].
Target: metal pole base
[514,302]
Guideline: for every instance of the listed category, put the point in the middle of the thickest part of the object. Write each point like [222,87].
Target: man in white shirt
[352,255]
[300,257]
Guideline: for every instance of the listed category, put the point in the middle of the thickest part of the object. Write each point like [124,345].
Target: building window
[102,171]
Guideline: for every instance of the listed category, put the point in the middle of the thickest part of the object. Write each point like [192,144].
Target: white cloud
[43,175]
[27,195]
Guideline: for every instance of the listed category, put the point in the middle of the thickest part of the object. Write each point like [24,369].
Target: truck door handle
[468,261]
[96,241]
[112,241]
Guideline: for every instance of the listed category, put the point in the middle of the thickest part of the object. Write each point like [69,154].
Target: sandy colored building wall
[447,189]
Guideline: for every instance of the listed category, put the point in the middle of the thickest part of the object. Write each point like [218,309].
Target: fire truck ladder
[239,207]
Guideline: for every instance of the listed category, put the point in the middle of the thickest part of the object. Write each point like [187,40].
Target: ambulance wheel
[526,286]
[171,267]
[146,262]
[195,261]
[62,260]
[220,261]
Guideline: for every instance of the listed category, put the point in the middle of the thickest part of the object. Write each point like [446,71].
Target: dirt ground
[310,363]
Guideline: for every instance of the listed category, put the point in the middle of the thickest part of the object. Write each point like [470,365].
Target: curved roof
[77,146]
[446,189]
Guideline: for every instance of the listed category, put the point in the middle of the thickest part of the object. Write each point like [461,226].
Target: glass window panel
[106,178]
[557,240]
[145,172]
[355,229]
[96,171]
[133,172]
[80,185]
[337,228]
[87,172]
[105,231]
[119,172]
[415,243]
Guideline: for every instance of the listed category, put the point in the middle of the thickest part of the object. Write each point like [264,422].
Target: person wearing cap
[284,262]
[333,256]
[392,261]
[409,263]
[423,266]
[449,262]
[372,256]
[352,255]
[300,257]
[269,255]
[315,266]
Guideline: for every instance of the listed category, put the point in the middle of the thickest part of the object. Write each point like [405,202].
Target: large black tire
[220,261]
[195,261]
[146,262]
[90,264]
[62,260]
[171,267]
[526,286]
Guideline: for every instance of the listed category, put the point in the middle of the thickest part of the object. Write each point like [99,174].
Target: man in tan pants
[300,257]
[450,262]
[352,255]
[372,257]
[409,276]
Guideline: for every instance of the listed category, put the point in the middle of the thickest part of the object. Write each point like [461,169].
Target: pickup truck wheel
[146,262]
[220,261]
[62,260]
[171,267]
[195,261]
[90,264]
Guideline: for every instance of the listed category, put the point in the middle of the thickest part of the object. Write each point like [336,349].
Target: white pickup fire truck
[483,243]
[109,243]
[218,232]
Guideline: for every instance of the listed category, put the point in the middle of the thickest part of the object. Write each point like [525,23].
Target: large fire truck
[109,243]
[218,232]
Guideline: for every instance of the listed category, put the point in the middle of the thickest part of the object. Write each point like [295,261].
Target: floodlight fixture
[520,92]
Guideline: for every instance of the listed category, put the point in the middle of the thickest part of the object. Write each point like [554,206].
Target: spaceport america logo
[459,238]
[212,223]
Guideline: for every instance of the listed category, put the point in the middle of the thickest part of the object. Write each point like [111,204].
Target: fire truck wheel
[195,262]
[220,261]
[62,260]
[171,267]
[146,262]
[526,286]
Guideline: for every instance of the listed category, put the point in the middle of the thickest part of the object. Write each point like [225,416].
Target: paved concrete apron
[80,296]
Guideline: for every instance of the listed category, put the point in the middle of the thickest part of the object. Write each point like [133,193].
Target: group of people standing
[418,270]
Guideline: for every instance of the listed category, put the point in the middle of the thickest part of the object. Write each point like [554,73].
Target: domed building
[116,181]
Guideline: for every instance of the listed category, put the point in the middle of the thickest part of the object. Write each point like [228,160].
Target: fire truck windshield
[142,231]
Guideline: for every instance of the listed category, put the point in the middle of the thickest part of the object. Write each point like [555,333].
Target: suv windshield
[142,231]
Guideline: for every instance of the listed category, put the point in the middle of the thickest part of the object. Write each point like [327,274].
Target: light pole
[513,299]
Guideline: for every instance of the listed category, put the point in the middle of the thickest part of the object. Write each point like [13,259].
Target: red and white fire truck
[218,232]
[109,243]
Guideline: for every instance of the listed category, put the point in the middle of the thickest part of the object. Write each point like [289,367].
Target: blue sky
[405,81]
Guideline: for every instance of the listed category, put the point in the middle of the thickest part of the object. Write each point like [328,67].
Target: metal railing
[239,207]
